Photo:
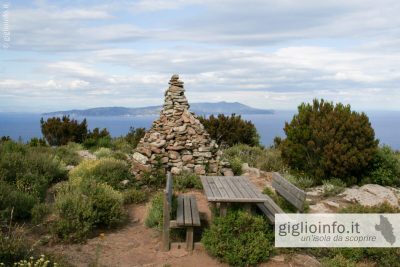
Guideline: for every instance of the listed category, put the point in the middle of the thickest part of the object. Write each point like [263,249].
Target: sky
[272,54]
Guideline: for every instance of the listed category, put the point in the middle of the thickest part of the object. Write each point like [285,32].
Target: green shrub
[300,181]
[236,165]
[187,180]
[84,206]
[271,161]
[154,217]
[327,140]
[68,155]
[383,208]
[105,170]
[103,152]
[231,130]
[239,239]
[333,187]
[134,135]
[337,261]
[30,169]
[13,247]
[245,153]
[39,212]
[385,168]
[60,131]
[134,195]
[18,202]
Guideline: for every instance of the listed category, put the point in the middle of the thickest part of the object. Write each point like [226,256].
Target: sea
[24,126]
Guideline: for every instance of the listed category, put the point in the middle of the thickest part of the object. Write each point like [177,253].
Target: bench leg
[223,209]
[189,238]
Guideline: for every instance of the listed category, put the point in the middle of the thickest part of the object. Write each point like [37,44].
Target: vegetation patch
[239,239]
[187,180]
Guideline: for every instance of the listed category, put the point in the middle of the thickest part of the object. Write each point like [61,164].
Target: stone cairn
[178,140]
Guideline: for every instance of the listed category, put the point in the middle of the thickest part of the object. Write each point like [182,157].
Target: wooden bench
[187,215]
[290,192]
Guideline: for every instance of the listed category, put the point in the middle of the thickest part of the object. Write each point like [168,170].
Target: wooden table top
[231,189]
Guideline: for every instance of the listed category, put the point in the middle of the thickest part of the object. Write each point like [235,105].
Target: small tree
[134,135]
[60,131]
[325,140]
[231,130]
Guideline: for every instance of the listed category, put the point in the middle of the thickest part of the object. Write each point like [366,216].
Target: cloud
[270,54]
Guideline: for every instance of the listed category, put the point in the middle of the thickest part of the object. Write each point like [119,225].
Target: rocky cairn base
[177,140]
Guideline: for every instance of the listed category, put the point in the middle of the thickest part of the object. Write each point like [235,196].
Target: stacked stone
[177,139]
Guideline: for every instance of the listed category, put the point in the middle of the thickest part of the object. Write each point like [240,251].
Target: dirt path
[133,245]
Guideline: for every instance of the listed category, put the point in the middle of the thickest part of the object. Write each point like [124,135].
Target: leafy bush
[187,180]
[333,187]
[385,168]
[236,165]
[103,152]
[60,131]
[271,161]
[134,135]
[134,195]
[68,154]
[300,180]
[338,261]
[231,130]
[245,153]
[383,208]
[18,202]
[84,206]
[97,138]
[106,170]
[39,212]
[324,140]
[37,142]
[154,217]
[239,239]
[13,247]
[264,159]
[30,169]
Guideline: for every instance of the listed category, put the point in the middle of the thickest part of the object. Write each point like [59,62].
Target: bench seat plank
[195,211]
[187,210]
[180,212]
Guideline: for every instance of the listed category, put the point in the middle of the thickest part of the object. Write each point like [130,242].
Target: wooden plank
[223,209]
[246,186]
[221,187]
[180,211]
[270,208]
[289,191]
[189,238]
[227,188]
[166,229]
[255,189]
[187,210]
[206,187]
[213,187]
[169,189]
[297,192]
[236,191]
[195,211]
[240,187]
[298,203]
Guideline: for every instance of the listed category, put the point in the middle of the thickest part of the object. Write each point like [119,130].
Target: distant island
[198,108]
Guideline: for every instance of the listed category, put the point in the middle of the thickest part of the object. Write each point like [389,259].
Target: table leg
[223,207]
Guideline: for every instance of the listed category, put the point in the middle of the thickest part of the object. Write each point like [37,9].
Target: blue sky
[264,53]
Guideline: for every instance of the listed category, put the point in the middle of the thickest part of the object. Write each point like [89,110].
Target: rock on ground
[371,195]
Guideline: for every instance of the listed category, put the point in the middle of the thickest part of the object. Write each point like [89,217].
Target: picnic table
[231,189]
